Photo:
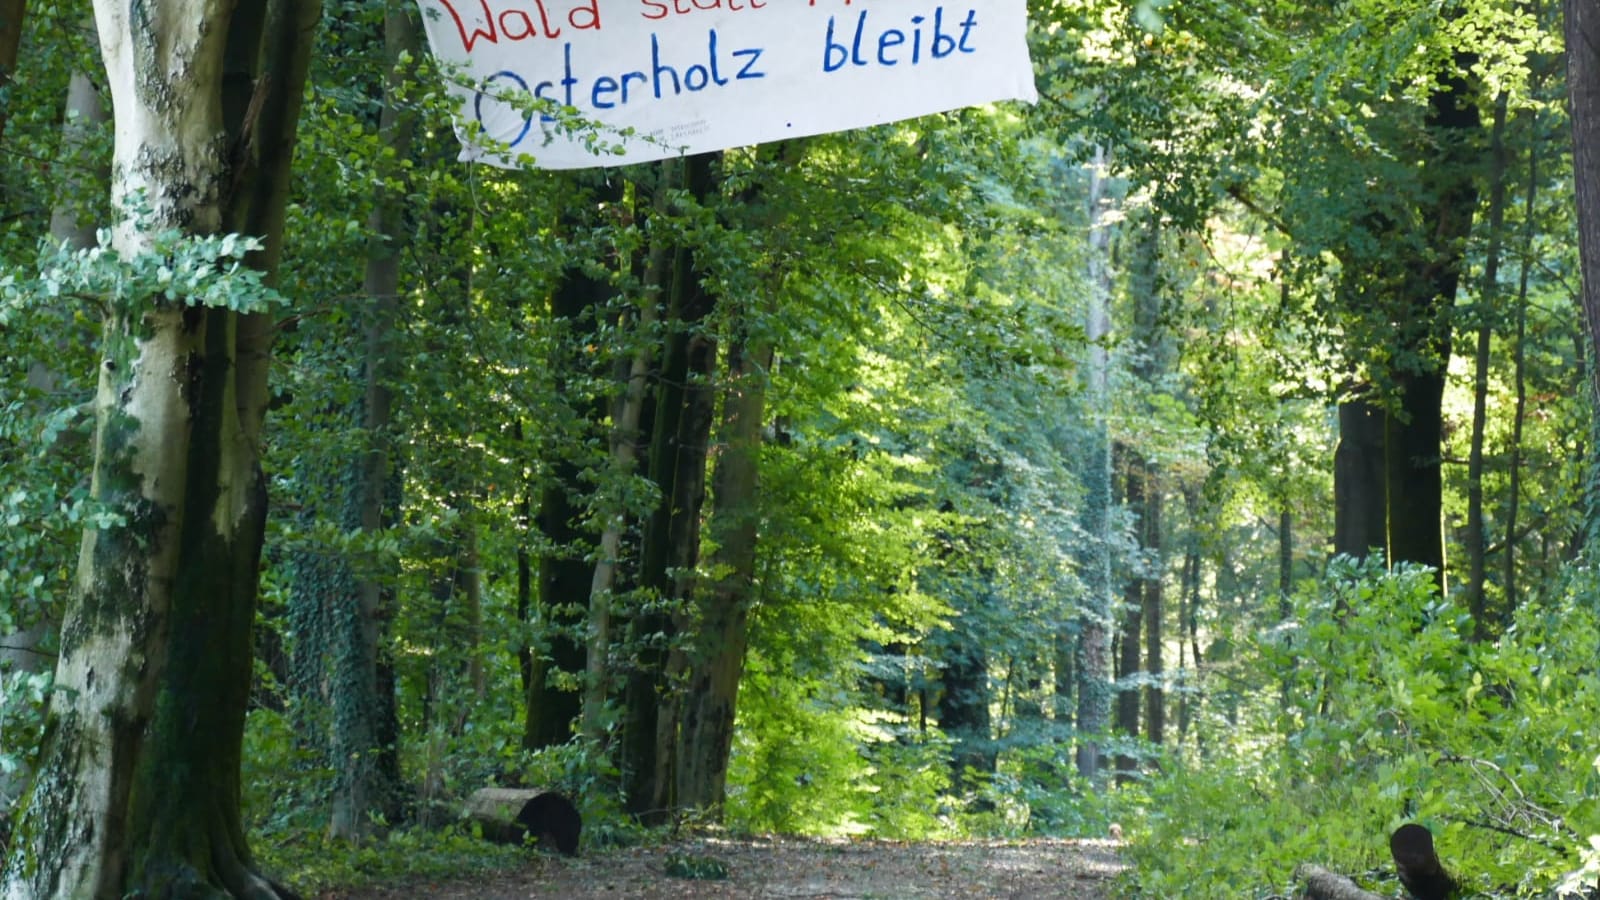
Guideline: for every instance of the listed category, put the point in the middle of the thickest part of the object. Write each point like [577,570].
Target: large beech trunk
[138,784]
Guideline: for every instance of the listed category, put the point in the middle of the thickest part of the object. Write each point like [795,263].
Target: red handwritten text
[528,19]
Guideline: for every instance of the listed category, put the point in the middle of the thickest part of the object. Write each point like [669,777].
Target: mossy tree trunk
[138,785]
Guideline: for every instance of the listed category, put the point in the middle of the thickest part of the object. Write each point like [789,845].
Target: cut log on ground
[1419,867]
[1322,884]
[518,815]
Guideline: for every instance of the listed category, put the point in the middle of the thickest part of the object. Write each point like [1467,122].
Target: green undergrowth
[1370,708]
[313,862]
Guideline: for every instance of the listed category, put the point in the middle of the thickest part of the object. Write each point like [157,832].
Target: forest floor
[799,868]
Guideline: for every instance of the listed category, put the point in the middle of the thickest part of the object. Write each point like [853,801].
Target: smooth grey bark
[138,786]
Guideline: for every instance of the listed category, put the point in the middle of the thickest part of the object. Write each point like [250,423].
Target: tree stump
[1419,867]
[520,815]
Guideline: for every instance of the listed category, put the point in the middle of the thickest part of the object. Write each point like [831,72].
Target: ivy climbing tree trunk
[367,765]
[138,787]
[1129,641]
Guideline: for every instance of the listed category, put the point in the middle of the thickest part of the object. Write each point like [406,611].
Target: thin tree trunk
[1488,300]
[29,649]
[11,14]
[612,503]
[364,792]
[1155,719]
[1131,465]
[1519,352]
[1093,665]
[86,114]
[1583,87]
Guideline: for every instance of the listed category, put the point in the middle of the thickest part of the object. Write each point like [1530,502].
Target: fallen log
[520,815]
[1322,884]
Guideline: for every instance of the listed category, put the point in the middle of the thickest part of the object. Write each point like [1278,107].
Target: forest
[1206,455]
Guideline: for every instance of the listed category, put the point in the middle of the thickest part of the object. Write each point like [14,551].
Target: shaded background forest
[994,464]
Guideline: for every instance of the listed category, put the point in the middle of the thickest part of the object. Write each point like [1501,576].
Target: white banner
[689,76]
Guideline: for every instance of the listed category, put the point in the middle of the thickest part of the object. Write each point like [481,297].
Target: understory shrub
[1372,708]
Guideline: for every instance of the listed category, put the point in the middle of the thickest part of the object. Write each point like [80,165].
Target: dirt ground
[796,868]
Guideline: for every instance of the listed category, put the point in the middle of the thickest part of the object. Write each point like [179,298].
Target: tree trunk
[611,505]
[138,787]
[365,790]
[1388,487]
[1155,718]
[86,113]
[716,658]
[1519,361]
[684,408]
[1488,301]
[11,13]
[30,650]
[1093,664]
[1583,87]
[963,705]
[565,573]
[1129,641]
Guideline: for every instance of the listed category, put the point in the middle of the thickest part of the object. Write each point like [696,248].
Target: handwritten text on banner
[699,75]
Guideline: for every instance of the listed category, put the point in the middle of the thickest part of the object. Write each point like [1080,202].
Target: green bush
[1372,709]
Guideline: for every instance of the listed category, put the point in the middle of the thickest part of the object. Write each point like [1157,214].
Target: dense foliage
[1048,406]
